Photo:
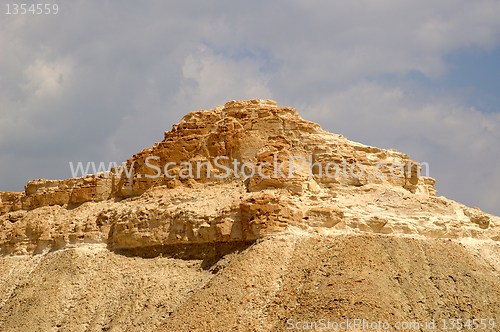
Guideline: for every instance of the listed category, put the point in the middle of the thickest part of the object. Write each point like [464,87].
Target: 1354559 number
[32,9]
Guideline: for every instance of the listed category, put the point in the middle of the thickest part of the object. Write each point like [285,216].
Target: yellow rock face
[245,252]
[291,187]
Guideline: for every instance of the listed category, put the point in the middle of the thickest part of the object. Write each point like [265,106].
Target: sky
[101,80]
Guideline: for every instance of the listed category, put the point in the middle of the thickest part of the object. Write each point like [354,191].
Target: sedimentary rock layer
[146,210]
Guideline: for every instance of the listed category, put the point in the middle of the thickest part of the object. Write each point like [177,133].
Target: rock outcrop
[263,170]
[274,221]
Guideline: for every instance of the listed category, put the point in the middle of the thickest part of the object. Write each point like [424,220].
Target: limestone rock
[258,132]
[10,201]
[275,172]
[38,193]
[102,252]
[478,217]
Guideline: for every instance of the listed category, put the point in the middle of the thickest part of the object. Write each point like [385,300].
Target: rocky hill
[245,217]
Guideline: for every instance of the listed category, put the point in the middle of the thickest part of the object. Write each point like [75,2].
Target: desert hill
[259,236]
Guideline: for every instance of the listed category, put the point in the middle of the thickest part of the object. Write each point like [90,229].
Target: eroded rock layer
[243,251]
[161,203]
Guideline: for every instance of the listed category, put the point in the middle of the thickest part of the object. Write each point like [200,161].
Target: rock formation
[161,211]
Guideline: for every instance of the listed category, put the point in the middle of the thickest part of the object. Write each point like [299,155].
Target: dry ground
[288,277]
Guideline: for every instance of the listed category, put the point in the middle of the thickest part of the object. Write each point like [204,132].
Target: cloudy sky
[101,80]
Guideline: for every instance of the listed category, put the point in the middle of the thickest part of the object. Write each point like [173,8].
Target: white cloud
[211,79]
[458,142]
[89,83]
[47,78]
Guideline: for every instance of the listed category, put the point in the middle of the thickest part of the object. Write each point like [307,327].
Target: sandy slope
[287,277]
[92,289]
[375,277]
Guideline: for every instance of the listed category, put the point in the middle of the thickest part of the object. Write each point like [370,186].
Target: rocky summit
[246,217]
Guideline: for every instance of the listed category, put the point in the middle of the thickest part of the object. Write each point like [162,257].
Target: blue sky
[472,75]
[477,74]
[103,80]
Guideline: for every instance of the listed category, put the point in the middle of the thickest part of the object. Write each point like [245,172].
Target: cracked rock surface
[231,253]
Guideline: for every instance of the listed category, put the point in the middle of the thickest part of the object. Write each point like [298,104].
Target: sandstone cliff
[147,211]
[84,222]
